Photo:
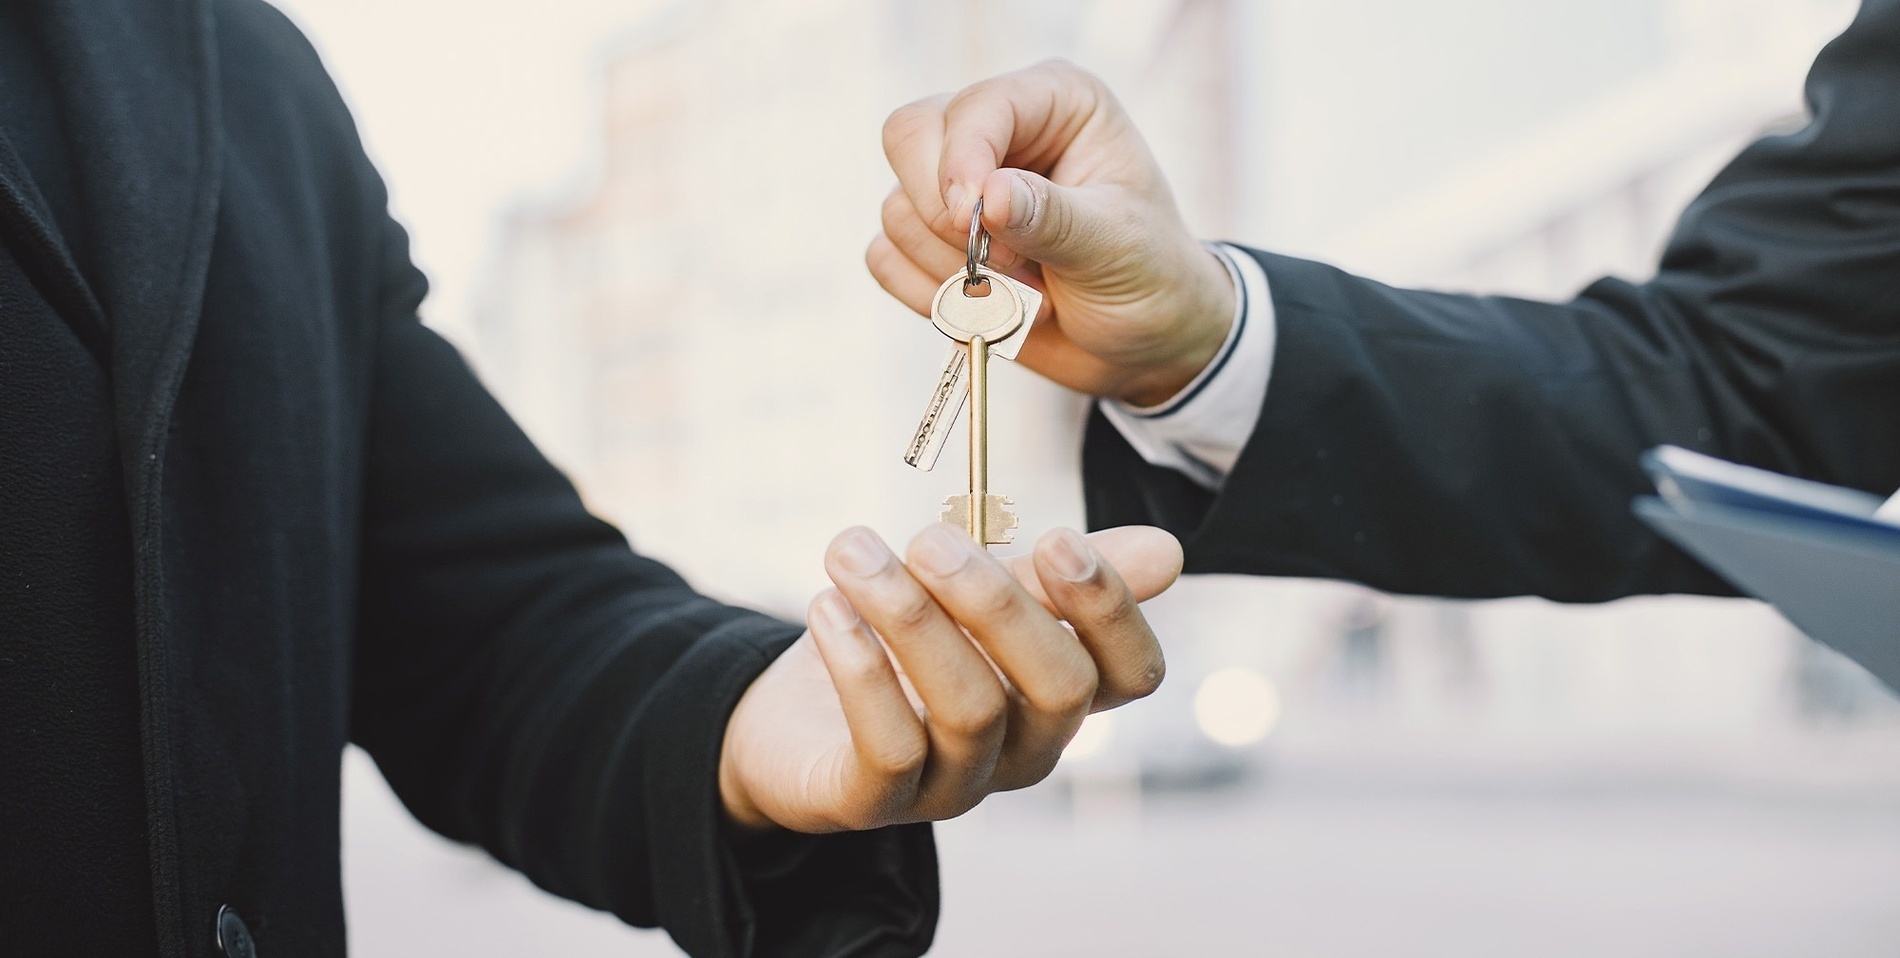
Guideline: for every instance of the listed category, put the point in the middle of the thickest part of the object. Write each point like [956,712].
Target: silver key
[946,402]
[1004,317]
[959,314]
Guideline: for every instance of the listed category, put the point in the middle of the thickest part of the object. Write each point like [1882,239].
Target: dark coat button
[234,936]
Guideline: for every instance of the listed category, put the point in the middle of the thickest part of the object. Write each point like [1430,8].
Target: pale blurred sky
[465,106]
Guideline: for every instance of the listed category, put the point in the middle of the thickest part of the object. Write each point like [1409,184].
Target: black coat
[1487,446]
[252,510]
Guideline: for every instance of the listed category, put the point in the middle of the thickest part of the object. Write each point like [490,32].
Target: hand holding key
[1078,207]
[890,710]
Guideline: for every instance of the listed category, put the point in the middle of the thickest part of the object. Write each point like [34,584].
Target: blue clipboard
[1814,551]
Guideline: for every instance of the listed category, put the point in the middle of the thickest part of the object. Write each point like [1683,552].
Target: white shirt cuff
[1201,429]
[1890,512]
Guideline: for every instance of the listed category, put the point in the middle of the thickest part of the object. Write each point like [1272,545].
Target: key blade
[1000,521]
[940,414]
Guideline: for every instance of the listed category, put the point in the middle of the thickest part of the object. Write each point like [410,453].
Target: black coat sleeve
[526,682]
[1486,446]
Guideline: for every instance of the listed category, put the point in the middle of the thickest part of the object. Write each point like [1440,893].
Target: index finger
[1026,119]
[913,143]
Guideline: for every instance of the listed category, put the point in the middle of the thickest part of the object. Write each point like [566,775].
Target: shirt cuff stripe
[1206,375]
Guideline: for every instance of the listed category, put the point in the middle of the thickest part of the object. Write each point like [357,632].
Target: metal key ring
[977,251]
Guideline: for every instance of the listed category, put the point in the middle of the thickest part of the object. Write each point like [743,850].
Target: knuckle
[857,671]
[910,120]
[977,91]
[943,222]
[967,723]
[942,809]
[873,802]
[1004,260]
[911,611]
[982,589]
[1145,678]
[1059,66]
[1074,692]
[901,759]
[895,209]
[1023,775]
[1065,72]
[991,594]
[1037,768]
[1110,610]
[861,817]
[977,715]
[903,123]
[966,796]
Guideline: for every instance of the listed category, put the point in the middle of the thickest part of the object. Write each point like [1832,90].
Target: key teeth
[940,413]
[1000,519]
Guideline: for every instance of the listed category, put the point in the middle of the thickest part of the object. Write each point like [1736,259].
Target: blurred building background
[667,289]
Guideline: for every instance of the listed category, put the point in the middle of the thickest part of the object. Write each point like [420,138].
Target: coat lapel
[32,234]
[139,87]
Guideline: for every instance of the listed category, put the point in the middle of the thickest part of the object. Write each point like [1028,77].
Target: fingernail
[833,613]
[1022,203]
[941,550]
[953,197]
[1070,556]
[861,554]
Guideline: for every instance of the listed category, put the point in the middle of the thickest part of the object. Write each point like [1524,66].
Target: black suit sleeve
[1484,446]
[526,682]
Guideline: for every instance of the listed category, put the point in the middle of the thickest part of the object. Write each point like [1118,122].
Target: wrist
[743,818]
[1202,328]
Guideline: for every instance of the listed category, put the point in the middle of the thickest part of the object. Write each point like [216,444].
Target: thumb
[1064,227]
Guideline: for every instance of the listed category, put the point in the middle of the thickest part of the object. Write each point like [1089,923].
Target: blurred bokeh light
[1236,706]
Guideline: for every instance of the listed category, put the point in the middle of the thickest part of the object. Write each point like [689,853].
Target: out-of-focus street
[1782,847]
[1322,861]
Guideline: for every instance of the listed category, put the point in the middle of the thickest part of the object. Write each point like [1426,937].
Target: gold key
[986,517]
[987,314]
